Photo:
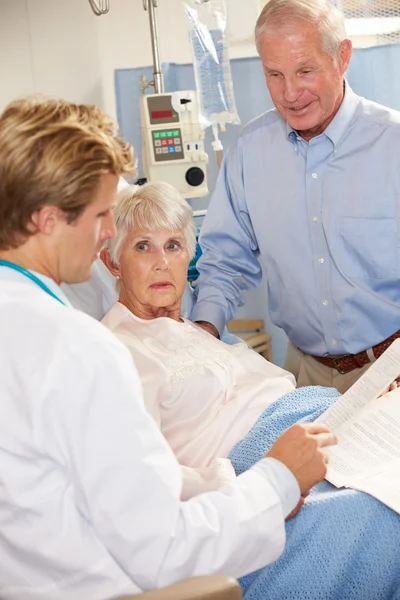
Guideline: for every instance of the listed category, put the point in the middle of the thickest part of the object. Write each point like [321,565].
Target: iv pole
[158,81]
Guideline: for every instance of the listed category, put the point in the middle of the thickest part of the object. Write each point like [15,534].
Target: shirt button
[325,302]
[321,260]
[314,175]
[334,342]
[315,219]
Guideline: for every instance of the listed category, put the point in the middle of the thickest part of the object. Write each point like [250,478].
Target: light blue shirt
[323,217]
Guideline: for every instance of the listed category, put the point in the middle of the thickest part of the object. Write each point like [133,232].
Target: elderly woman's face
[153,269]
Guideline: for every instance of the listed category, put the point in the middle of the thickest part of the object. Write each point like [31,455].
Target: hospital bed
[211,587]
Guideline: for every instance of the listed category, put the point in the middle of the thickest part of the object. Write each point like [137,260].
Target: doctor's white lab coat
[89,489]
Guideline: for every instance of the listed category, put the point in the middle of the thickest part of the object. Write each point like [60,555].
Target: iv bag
[212,69]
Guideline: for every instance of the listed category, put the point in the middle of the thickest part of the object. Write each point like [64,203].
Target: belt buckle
[337,366]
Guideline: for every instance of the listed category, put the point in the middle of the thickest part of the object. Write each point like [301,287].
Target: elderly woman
[205,395]
[212,400]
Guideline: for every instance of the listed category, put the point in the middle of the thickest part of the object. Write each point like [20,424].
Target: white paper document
[367,425]
[384,487]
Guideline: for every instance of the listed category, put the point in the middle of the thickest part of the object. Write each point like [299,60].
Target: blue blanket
[343,544]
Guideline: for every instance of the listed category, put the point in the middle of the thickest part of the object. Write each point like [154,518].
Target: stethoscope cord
[31,276]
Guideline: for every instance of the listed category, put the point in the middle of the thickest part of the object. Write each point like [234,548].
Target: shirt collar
[11,275]
[340,123]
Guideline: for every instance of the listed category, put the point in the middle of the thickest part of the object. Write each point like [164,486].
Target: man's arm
[229,263]
[197,480]
[127,482]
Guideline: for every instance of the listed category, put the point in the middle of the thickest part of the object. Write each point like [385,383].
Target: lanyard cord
[31,276]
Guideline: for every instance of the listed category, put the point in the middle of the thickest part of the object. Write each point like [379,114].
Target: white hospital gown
[205,395]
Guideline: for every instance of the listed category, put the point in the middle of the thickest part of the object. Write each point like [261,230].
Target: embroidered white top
[205,395]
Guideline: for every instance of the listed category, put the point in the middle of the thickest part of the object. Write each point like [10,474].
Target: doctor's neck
[33,256]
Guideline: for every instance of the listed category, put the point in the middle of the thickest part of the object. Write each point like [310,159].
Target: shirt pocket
[368,247]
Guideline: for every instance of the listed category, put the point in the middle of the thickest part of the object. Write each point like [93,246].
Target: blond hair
[322,13]
[53,153]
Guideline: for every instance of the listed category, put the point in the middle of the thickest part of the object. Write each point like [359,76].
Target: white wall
[60,47]
[125,37]
[51,47]
[16,73]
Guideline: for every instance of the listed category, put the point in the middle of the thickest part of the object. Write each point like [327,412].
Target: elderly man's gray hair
[152,206]
[327,18]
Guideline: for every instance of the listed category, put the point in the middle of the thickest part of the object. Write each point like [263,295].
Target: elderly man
[312,188]
[90,501]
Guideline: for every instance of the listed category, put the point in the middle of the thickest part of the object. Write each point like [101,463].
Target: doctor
[89,489]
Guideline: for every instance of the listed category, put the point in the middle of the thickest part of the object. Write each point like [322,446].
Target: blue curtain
[373,73]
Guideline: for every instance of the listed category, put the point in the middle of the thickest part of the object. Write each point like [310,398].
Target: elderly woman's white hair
[152,206]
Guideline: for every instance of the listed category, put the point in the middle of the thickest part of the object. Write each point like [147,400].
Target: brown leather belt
[344,363]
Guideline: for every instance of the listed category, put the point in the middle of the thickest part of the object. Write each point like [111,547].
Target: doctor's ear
[112,267]
[45,219]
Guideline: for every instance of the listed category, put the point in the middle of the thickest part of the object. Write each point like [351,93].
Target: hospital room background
[60,47]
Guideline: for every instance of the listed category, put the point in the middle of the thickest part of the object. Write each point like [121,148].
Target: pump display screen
[160,110]
[161,114]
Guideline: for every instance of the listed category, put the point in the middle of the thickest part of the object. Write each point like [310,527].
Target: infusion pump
[173,142]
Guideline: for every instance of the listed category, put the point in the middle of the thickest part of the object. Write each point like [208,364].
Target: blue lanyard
[31,276]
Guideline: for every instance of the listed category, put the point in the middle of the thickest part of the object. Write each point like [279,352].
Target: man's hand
[209,327]
[299,448]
